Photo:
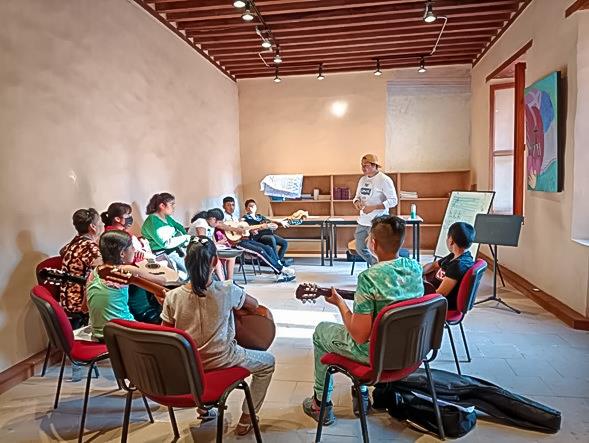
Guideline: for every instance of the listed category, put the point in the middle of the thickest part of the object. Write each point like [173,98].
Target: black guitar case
[497,404]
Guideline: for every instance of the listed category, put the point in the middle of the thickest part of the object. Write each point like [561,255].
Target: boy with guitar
[391,280]
[266,235]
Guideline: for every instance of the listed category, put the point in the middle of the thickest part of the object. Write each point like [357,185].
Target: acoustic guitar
[155,267]
[235,236]
[51,276]
[310,292]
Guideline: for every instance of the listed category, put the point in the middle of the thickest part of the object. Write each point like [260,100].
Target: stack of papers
[407,194]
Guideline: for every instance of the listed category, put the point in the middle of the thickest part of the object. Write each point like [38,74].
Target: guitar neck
[347,295]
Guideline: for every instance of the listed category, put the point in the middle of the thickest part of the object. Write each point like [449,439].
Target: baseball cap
[371,158]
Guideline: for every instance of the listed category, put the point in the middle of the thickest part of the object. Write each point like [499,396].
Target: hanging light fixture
[277,57]
[378,72]
[422,69]
[429,16]
[320,76]
[247,14]
[239,3]
[277,78]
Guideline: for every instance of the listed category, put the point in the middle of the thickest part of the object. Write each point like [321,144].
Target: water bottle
[413,212]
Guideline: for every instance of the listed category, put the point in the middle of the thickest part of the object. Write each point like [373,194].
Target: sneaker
[282,278]
[288,271]
[310,409]
[365,402]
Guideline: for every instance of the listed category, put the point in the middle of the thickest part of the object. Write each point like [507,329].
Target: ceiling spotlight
[422,69]
[247,14]
[266,44]
[378,72]
[277,57]
[429,16]
[320,76]
[277,77]
[239,3]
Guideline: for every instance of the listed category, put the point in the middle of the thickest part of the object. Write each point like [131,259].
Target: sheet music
[463,206]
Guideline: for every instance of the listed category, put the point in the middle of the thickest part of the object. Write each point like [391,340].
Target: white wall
[546,255]
[98,103]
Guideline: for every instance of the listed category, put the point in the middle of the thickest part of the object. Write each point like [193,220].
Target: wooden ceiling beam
[271,73]
[400,28]
[334,18]
[351,39]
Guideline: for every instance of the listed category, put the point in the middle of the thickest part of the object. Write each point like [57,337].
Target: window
[502,119]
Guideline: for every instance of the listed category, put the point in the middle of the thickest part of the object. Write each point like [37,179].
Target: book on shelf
[408,194]
[341,193]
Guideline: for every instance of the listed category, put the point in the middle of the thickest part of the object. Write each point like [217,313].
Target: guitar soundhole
[153,266]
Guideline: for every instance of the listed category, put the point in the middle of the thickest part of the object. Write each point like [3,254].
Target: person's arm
[431,267]
[446,286]
[356,199]
[359,326]
[167,314]
[176,225]
[388,189]
[141,273]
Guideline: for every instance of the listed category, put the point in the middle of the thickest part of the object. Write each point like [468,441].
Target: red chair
[467,294]
[403,334]
[55,263]
[164,365]
[61,337]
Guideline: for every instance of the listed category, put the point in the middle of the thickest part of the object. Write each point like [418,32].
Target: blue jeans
[267,253]
[276,242]
[361,235]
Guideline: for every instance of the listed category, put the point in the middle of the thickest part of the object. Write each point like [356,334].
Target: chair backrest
[404,333]
[51,262]
[469,286]
[158,360]
[54,318]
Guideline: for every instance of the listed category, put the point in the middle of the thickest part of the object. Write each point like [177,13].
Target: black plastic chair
[403,335]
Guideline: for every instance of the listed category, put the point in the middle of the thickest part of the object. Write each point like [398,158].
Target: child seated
[444,276]
[391,280]
[204,309]
[107,300]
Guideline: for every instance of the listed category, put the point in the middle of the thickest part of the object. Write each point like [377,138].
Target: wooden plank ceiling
[342,35]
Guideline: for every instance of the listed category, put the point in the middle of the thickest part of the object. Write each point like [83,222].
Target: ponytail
[200,254]
[117,209]
[156,200]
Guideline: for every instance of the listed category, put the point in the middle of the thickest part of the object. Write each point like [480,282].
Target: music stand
[497,230]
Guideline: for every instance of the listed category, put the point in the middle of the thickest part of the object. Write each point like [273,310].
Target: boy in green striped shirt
[391,280]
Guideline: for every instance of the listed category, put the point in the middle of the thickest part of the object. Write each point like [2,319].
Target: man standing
[375,195]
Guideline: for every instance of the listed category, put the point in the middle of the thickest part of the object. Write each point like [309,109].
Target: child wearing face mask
[118,217]
[392,279]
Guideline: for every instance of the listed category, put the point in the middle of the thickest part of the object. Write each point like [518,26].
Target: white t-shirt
[373,191]
[230,217]
[201,223]
[208,320]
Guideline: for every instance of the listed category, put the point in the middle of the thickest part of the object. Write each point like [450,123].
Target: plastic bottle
[413,211]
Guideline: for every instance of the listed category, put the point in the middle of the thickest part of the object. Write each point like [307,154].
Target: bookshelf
[433,192]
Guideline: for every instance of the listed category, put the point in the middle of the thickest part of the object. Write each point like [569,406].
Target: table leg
[333,236]
[418,241]
[414,229]
[322,234]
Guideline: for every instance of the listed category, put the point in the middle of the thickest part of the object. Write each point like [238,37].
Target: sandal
[244,428]
[206,416]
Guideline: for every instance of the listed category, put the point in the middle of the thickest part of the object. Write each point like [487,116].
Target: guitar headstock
[114,274]
[310,292]
[52,276]
[295,222]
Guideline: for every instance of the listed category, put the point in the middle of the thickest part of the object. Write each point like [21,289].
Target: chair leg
[353,265]
[220,422]
[323,405]
[147,408]
[242,268]
[59,380]
[435,400]
[250,406]
[362,412]
[85,406]
[259,266]
[173,420]
[125,431]
[468,359]
[47,354]
[453,349]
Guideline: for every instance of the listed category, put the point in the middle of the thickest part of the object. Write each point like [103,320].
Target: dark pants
[267,252]
[78,319]
[144,306]
[276,242]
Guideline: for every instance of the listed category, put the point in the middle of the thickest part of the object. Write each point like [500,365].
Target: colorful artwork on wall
[542,134]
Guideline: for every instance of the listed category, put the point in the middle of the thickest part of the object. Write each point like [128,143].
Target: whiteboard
[463,206]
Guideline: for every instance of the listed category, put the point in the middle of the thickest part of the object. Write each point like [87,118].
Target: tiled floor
[532,354]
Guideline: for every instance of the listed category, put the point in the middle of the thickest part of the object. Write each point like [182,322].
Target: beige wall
[290,127]
[546,256]
[98,102]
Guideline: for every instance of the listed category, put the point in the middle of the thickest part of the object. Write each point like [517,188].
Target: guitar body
[159,268]
[255,330]
[234,236]
[310,292]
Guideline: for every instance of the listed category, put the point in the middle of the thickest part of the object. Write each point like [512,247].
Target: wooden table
[352,220]
[314,220]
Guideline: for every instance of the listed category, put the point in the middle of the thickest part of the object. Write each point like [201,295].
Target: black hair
[156,200]
[111,244]
[199,254]
[228,199]
[248,201]
[389,232]
[215,213]
[201,214]
[462,234]
[117,209]
[83,218]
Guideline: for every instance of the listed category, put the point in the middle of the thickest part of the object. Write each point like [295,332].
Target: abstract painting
[542,134]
